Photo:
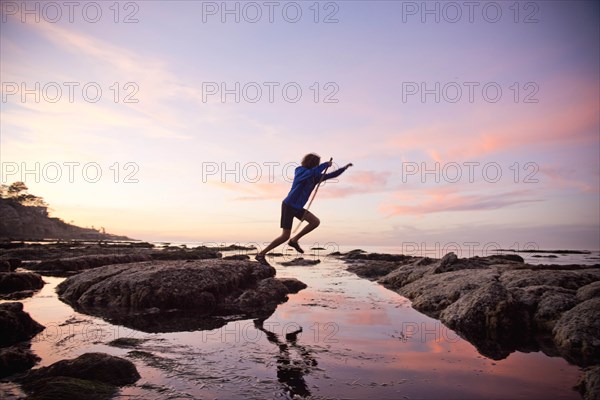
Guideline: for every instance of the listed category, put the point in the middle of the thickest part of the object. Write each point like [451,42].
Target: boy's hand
[349,165]
[329,164]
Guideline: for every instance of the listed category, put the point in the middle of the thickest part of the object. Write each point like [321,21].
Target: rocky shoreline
[501,304]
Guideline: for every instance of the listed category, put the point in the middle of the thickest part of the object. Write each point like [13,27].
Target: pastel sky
[503,99]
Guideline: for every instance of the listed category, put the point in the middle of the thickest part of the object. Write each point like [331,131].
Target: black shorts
[288,213]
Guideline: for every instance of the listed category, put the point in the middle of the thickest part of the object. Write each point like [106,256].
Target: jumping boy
[306,177]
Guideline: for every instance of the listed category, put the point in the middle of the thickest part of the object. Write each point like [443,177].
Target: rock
[89,376]
[508,257]
[589,291]
[91,366]
[126,342]
[424,261]
[13,264]
[293,285]
[5,266]
[65,388]
[373,270]
[502,304]
[568,279]
[589,383]
[16,325]
[239,257]
[15,359]
[405,274]
[545,304]
[361,255]
[181,295]
[432,293]
[267,295]
[576,333]
[488,317]
[197,253]
[20,295]
[11,282]
[447,261]
[450,262]
[552,303]
[300,262]
[355,251]
[86,262]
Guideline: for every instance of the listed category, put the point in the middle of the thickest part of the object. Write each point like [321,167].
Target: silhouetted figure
[290,372]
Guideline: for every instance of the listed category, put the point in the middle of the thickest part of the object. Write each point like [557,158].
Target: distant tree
[17,191]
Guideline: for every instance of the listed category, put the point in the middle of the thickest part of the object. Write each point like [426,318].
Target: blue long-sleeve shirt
[305,180]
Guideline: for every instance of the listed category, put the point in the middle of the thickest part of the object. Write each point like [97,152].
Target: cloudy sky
[183,121]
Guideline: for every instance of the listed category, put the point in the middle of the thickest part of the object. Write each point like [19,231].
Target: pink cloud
[570,178]
[567,115]
[445,199]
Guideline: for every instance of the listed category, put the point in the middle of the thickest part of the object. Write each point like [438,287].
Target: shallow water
[359,341]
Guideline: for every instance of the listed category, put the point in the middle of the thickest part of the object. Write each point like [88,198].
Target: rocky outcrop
[499,303]
[19,284]
[89,376]
[16,325]
[158,296]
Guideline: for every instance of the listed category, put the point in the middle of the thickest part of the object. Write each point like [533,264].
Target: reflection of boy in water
[289,372]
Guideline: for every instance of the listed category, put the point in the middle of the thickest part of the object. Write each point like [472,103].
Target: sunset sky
[505,94]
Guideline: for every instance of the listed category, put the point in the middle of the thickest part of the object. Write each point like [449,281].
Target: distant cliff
[21,222]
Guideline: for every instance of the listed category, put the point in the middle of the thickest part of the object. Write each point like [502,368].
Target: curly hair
[311,160]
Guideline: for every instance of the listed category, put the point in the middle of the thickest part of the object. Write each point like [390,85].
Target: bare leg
[313,222]
[285,235]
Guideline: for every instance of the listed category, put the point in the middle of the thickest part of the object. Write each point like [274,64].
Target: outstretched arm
[337,172]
